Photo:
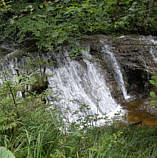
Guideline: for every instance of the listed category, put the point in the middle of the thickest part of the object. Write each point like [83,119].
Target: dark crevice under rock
[138,82]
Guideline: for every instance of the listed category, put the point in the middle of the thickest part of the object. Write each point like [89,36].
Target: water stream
[82,84]
[79,87]
[117,71]
[153,46]
[153,51]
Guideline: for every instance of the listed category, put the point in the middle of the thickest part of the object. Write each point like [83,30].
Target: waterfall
[153,47]
[82,84]
[79,87]
[117,71]
[153,51]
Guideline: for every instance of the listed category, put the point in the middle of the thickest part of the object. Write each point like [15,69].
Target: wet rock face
[112,68]
[134,53]
[131,51]
[135,56]
[137,62]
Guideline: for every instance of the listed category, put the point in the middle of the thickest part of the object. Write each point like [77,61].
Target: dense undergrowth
[29,129]
[26,127]
[52,24]
[42,138]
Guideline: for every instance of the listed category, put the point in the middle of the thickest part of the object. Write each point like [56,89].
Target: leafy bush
[153,81]
[30,130]
[55,23]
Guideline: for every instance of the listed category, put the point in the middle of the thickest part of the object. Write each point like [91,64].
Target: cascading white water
[153,51]
[153,47]
[78,86]
[118,74]
[81,84]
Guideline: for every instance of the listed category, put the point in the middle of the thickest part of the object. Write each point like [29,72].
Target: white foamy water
[79,88]
[80,84]
[117,70]
[153,46]
[153,50]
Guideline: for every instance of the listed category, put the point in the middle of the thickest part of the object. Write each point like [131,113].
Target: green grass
[30,131]
[42,137]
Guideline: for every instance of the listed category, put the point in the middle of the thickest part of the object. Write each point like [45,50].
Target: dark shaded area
[38,88]
[138,81]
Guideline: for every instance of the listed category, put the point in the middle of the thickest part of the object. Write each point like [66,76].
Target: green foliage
[152,94]
[153,81]
[76,52]
[129,142]
[42,133]
[53,24]
[107,144]
[12,105]
[4,6]
[5,153]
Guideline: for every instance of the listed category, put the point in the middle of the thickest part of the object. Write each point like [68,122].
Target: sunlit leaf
[152,94]
[153,102]
[153,82]
[154,77]
[5,153]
